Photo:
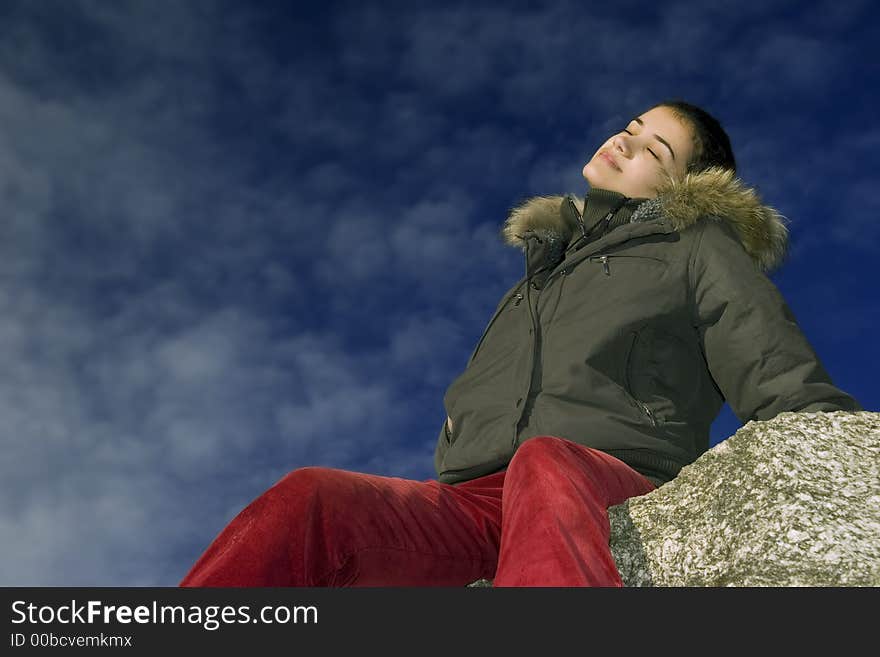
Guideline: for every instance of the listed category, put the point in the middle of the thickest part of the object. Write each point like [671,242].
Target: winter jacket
[636,319]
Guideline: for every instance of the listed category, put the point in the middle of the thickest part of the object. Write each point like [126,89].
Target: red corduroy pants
[541,522]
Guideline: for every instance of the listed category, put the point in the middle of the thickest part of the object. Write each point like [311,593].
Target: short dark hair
[711,144]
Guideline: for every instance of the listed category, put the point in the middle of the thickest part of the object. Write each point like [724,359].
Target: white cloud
[223,259]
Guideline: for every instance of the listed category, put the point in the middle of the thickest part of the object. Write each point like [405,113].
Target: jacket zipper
[605,221]
[517,299]
[535,328]
[577,214]
[571,259]
[649,413]
[603,258]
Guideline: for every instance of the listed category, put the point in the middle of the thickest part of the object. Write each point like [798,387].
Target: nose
[621,144]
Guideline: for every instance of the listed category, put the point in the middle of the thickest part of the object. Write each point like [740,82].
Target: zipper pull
[604,260]
[578,216]
[650,415]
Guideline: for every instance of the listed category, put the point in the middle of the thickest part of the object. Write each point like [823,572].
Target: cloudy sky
[244,237]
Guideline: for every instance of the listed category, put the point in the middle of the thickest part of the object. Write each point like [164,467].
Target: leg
[327,527]
[555,528]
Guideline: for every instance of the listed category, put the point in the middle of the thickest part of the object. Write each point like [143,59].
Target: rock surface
[792,501]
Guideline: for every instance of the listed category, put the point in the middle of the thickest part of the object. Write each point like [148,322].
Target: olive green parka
[636,319]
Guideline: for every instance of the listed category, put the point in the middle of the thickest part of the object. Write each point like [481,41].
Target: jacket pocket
[448,430]
[629,364]
[609,260]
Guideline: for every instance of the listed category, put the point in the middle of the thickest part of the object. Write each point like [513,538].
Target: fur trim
[539,214]
[713,194]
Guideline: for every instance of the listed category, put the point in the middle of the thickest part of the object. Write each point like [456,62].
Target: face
[632,162]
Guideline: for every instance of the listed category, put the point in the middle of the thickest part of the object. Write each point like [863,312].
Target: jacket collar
[711,194]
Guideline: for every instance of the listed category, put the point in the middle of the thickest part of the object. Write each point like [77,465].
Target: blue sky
[244,237]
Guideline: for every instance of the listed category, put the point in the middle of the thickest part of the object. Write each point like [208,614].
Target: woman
[643,308]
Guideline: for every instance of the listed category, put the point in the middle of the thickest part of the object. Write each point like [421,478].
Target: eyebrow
[657,137]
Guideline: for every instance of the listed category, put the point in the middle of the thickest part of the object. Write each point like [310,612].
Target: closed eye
[649,150]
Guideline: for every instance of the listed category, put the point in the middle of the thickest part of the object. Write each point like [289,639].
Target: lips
[605,155]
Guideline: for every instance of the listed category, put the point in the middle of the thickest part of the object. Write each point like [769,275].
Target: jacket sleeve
[756,353]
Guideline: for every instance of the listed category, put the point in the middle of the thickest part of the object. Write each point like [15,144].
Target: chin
[594,180]
[590,176]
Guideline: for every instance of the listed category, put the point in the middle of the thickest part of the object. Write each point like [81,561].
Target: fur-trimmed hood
[712,193]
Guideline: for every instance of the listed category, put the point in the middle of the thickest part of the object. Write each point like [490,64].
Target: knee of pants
[311,482]
[537,451]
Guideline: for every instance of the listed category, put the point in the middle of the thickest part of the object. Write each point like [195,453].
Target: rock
[792,501]
[481,582]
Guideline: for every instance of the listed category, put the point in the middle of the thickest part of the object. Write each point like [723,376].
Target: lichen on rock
[792,501]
